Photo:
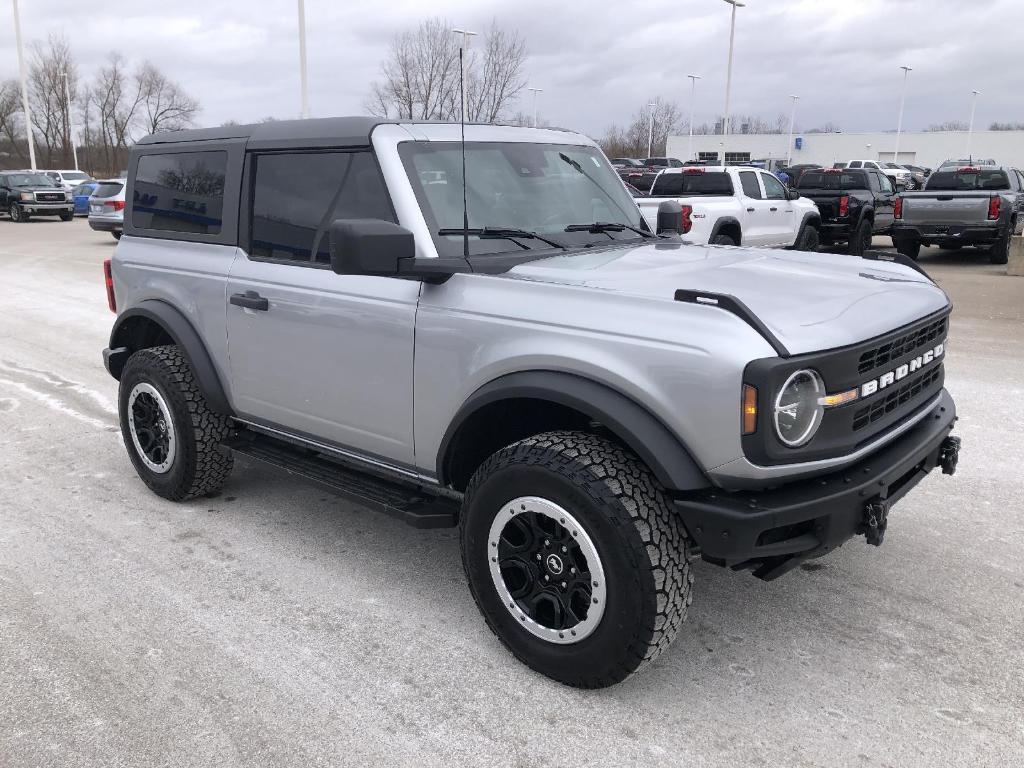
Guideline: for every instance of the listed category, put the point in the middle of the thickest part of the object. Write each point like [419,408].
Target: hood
[810,301]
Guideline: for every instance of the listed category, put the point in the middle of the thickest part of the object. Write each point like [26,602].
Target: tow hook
[949,454]
[876,519]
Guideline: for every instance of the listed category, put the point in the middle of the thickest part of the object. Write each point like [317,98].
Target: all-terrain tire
[808,239]
[909,248]
[722,240]
[201,463]
[638,536]
[861,239]
[17,215]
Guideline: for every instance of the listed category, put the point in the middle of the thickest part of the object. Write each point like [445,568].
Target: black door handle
[773,209]
[250,300]
[750,210]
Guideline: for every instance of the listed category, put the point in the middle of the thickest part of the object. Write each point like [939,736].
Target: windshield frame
[448,246]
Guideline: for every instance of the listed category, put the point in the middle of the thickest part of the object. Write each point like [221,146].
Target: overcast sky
[597,61]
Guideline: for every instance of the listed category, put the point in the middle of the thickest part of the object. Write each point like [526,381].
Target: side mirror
[900,186]
[792,194]
[369,247]
[670,217]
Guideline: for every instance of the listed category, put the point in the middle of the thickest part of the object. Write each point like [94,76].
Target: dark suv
[24,194]
[855,204]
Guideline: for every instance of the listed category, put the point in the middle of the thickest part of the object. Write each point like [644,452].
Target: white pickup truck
[733,206]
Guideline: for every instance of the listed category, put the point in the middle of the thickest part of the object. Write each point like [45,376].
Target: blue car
[81,195]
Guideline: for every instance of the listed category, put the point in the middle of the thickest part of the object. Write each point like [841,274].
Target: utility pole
[970,126]
[303,80]
[650,127]
[24,88]
[535,92]
[71,127]
[466,34]
[789,142]
[728,75]
[693,94]
[899,123]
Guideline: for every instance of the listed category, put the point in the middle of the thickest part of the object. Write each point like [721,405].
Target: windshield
[536,188]
[967,180]
[75,176]
[691,183]
[29,180]
[820,180]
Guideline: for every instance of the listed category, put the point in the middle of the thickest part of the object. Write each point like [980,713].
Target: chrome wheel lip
[552,510]
[144,388]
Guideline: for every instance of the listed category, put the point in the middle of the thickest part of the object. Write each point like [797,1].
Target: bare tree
[12,135]
[826,128]
[632,140]
[165,106]
[1011,126]
[949,125]
[51,112]
[420,75]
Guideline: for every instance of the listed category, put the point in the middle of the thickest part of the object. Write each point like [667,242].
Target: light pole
[24,88]
[970,125]
[728,74]
[899,123]
[789,142]
[535,92]
[71,127]
[303,80]
[693,95]
[466,34]
[650,127]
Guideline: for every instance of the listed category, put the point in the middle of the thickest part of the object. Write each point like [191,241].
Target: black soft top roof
[327,131]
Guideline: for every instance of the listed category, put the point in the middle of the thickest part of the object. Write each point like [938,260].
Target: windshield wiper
[607,226]
[506,233]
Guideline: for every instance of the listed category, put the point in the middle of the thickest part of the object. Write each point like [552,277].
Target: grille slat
[900,347]
[897,398]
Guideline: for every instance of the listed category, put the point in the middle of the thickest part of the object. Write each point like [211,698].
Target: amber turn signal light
[840,398]
[749,409]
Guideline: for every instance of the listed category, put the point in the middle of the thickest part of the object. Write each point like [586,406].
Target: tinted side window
[773,189]
[748,180]
[876,185]
[855,164]
[886,182]
[296,196]
[180,192]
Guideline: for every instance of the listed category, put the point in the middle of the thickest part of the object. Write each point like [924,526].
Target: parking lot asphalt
[277,625]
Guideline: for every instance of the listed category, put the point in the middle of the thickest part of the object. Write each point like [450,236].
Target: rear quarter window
[180,192]
[820,180]
[108,190]
[692,184]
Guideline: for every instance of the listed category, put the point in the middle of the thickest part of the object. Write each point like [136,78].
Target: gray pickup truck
[486,333]
[966,205]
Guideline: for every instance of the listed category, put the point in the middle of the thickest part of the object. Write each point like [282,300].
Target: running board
[407,502]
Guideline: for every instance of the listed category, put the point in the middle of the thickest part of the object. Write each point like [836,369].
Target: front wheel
[69,216]
[808,239]
[172,436]
[575,557]
[18,216]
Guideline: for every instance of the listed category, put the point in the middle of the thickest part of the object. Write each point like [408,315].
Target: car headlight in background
[798,407]
[28,196]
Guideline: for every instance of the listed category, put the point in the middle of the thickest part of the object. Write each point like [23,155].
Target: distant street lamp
[693,92]
[899,123]
[24,88]
[535,92]
[466,34]
[303,79]
[650,127]
[71,127]
[789,142]
[728,72]
[970,126]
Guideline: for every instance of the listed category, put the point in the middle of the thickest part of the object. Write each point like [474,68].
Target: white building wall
[918,148]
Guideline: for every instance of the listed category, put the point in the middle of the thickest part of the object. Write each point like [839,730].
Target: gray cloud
[597,61]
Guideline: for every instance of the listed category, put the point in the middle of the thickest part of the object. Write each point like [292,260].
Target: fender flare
[645,434]
[864,211]
[177,326]
[725,220]
[809,216]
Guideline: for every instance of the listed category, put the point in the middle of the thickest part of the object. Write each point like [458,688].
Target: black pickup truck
[855,204]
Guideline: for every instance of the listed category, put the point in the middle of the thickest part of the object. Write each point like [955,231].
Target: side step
[407,502]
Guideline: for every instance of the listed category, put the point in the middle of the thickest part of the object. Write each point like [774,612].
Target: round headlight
[797,410]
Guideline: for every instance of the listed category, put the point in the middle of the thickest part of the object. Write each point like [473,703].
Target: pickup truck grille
[904,345]
[908,395]
[50,197]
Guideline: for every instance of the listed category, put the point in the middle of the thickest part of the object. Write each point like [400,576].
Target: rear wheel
[999,252]
[575,557]
[909,248]
[861,239]
[117,235]
[722,240]
[808,239]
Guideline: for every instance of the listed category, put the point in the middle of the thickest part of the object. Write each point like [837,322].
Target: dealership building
[924,148]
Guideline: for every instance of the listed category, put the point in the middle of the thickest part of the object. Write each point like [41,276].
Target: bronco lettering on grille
[891,377]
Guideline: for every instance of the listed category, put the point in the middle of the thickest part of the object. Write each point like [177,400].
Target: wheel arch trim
[665,454]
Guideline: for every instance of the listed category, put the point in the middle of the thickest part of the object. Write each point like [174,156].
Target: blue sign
[799,142]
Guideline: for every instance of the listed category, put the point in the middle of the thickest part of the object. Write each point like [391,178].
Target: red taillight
[117,205]
[693,170]
[833,170]
[897,208]
[108,279]
[844,205]
[993,207]
[687,222]
[967,169]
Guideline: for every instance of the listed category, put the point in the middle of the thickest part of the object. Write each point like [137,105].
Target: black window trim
[249,190]
[757,182]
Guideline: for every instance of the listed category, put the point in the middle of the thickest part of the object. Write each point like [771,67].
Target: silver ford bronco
[485,332]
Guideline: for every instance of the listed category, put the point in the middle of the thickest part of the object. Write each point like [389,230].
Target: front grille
[897,398]
[904,345]
[49,197]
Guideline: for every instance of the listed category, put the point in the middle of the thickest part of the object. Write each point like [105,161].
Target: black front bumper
[960,233]
[774,530]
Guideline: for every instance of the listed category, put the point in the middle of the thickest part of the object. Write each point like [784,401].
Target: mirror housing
[792,194]
[670,218]
[383,249]
[900,186]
